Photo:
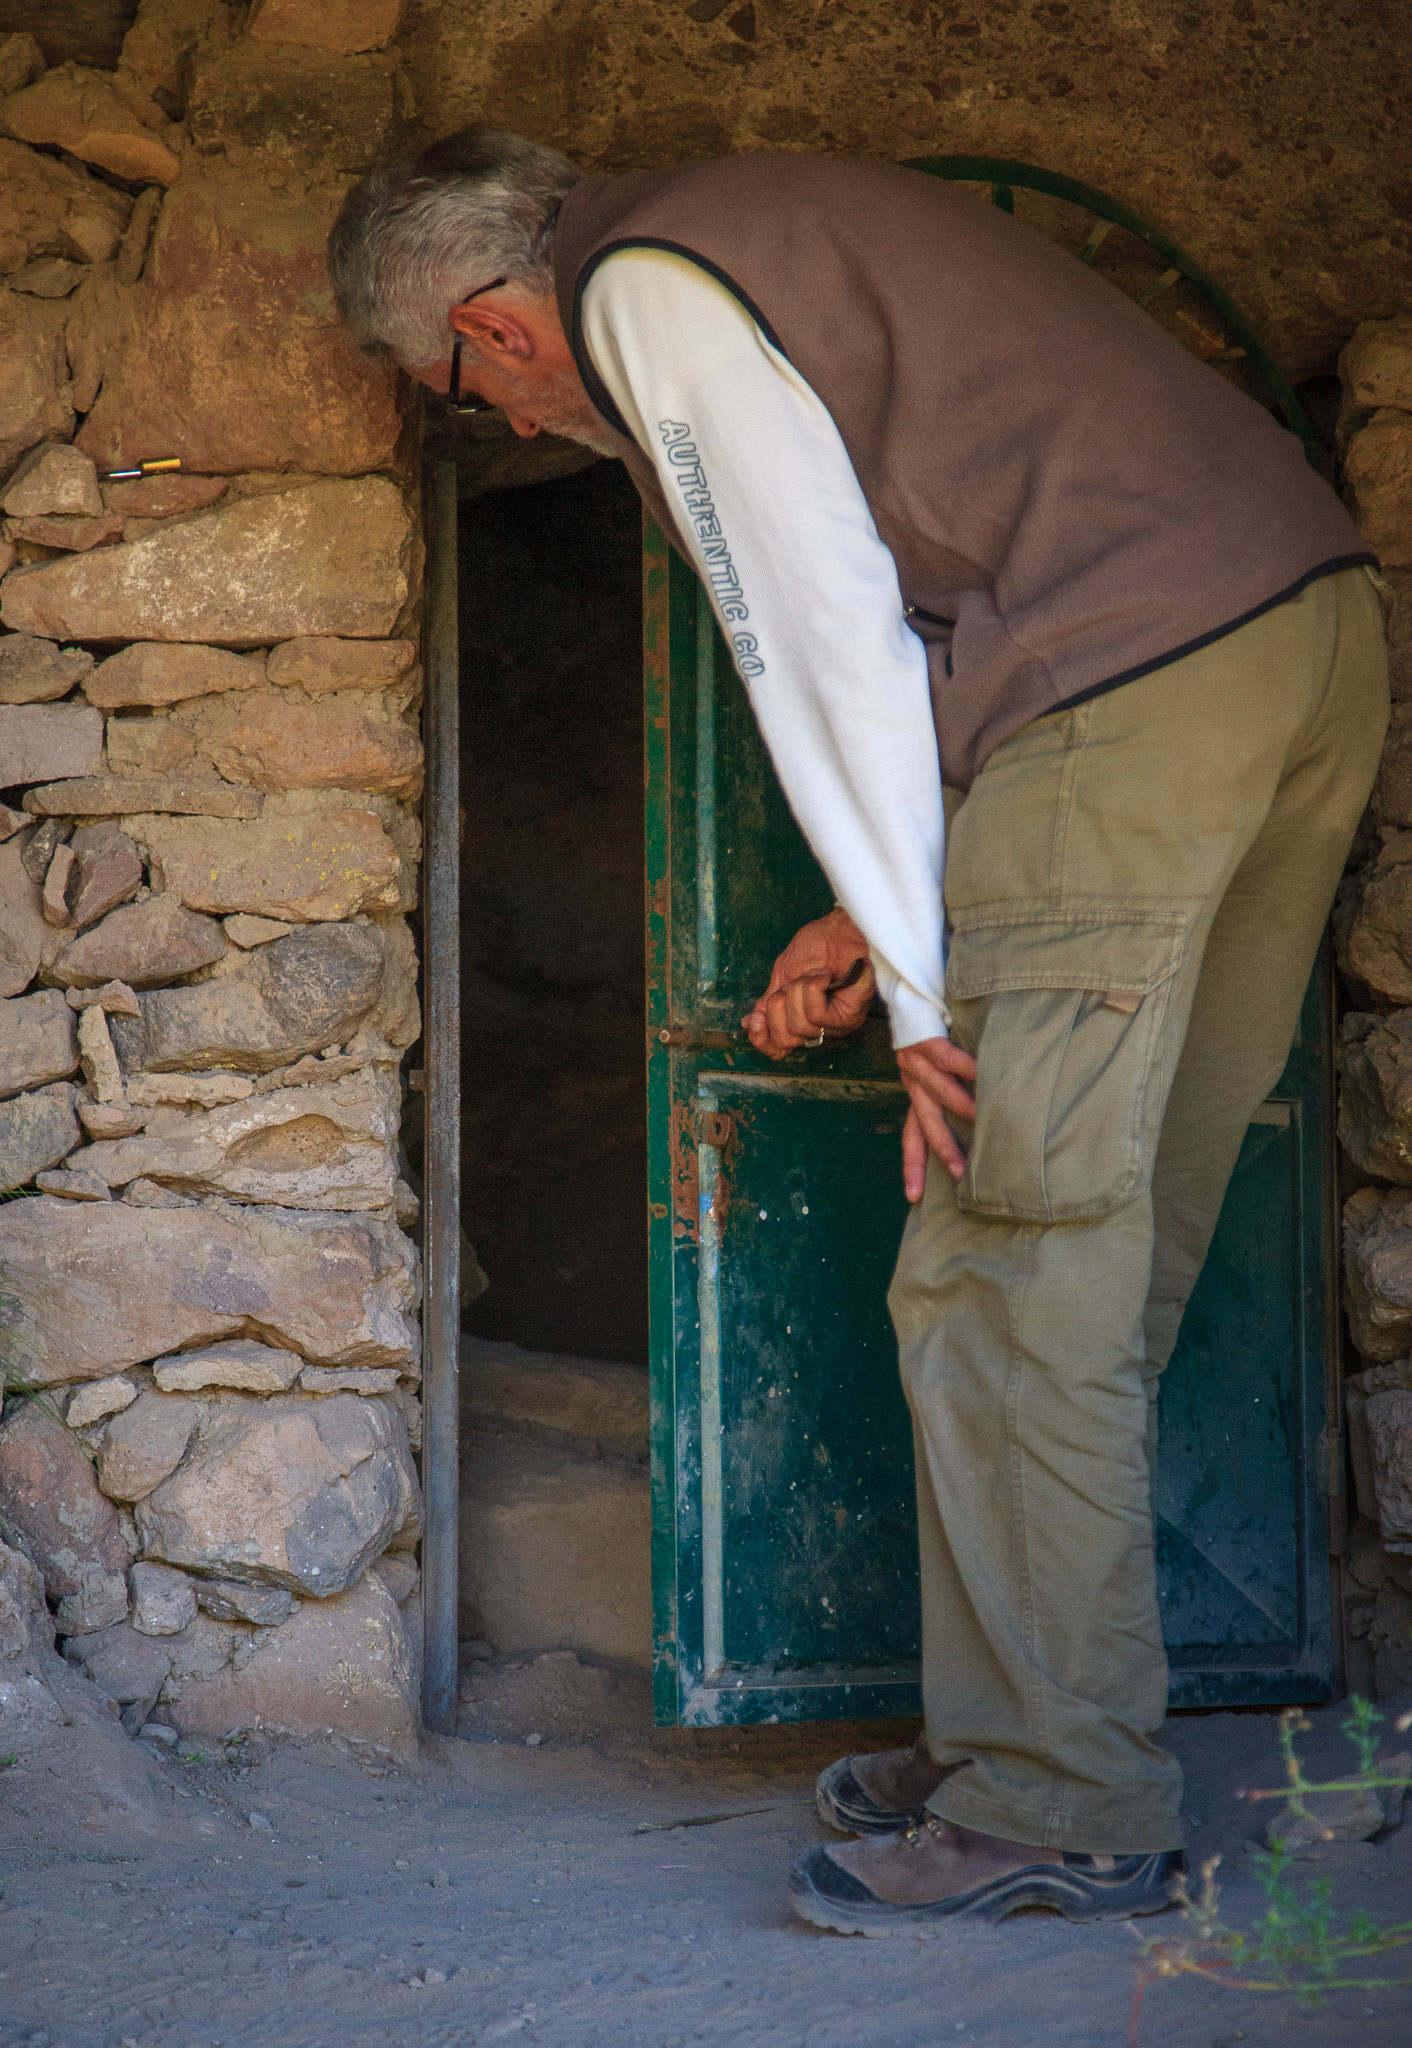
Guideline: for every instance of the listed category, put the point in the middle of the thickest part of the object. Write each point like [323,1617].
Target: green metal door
[784,1543]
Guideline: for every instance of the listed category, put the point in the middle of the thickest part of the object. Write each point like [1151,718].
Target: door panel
[784,1545]
[1241,1508]
[818,1543]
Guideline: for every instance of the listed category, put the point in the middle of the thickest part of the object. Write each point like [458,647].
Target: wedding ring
[815,1041]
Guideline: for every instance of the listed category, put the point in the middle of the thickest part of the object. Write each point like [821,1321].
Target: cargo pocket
[1065,1016]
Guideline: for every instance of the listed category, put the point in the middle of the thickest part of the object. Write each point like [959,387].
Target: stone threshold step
[592,1407]
[555,1549]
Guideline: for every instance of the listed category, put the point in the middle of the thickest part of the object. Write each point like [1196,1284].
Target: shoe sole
[1073,1899]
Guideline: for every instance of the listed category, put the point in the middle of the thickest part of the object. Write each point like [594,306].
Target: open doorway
[554,1517]
[554,1122]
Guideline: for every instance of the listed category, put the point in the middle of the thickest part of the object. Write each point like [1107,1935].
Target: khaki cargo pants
[1136,890]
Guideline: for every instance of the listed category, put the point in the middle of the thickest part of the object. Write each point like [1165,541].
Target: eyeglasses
[455,403]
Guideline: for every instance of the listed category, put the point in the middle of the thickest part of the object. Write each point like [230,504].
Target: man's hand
[806,996]
[934,1071]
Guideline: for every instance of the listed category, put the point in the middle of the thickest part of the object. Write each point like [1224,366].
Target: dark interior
[552,1092]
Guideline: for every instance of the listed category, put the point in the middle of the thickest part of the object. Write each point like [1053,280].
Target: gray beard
[586,426]
[594,437]
[572,416]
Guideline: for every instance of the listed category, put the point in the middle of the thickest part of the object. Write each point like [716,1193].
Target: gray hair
[414,236]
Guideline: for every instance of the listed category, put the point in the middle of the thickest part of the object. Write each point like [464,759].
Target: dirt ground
[282,1895]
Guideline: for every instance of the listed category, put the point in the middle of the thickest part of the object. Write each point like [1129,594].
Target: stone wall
[1265,135]
[210,770]
[1374,930]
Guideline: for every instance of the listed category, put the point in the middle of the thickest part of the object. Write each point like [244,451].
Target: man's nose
[524,427]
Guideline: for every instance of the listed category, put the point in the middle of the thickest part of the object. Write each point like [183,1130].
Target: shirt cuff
[914,1017]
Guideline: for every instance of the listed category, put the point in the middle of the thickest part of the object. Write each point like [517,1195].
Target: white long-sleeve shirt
[762,489]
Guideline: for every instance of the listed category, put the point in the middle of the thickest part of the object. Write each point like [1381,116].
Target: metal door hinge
[1335,1499]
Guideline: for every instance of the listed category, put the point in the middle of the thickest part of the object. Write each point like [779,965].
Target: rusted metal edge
[658,582]
[1333,1441]
[441,930]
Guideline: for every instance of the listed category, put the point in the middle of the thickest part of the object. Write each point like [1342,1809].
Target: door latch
[715,1127]
[685,1038]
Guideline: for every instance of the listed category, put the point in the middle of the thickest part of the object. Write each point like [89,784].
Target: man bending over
[968,516]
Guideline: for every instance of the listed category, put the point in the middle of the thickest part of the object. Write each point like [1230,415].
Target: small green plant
[14,1341]
[11,1383]
[1298,1945]
[15,1325]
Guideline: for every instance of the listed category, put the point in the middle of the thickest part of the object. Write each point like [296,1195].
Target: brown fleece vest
[1051,471]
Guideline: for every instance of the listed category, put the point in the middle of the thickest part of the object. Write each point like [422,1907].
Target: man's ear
[494,330]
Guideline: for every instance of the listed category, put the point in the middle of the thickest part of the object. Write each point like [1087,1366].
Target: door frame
[440,1082]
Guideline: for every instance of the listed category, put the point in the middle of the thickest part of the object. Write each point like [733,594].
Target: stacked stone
[208,848]
[1374,928]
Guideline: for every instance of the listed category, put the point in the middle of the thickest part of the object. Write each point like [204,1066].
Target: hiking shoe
[843,1803]
[1081,1888]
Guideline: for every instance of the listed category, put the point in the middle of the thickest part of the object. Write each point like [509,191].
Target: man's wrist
[914,1019]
